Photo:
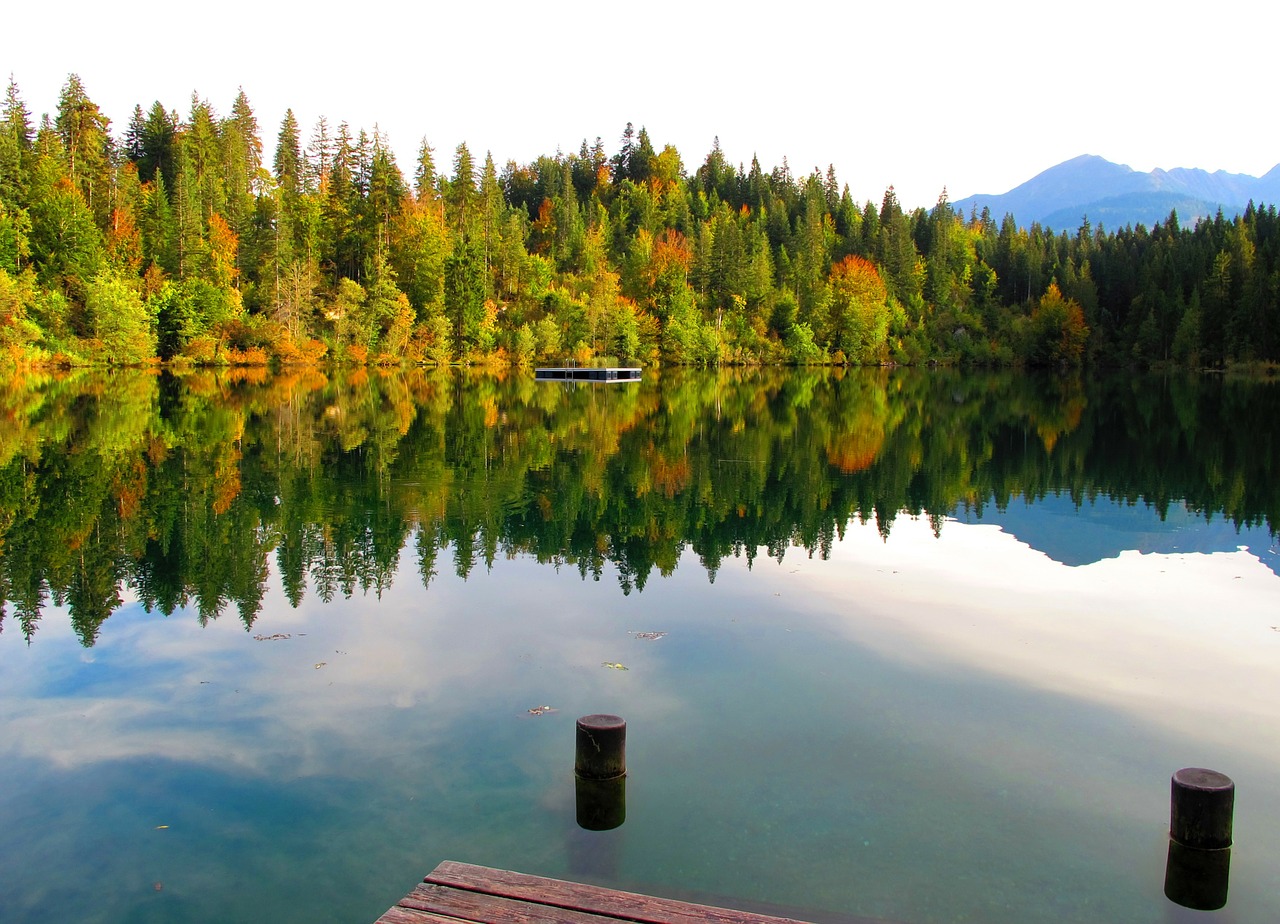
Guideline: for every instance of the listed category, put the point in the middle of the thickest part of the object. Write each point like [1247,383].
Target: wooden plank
[483,908]
[400,915]
[590,899]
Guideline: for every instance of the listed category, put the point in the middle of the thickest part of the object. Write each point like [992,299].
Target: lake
[913,646]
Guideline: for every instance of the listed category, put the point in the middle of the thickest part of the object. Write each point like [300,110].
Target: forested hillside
[180,239]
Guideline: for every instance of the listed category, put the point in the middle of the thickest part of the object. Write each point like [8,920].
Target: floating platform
[454,893]
[587,374]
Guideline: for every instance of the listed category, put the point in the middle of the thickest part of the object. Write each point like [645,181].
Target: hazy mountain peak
[1115,195]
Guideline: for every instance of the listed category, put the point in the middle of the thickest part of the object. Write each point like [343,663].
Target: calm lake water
[913,646]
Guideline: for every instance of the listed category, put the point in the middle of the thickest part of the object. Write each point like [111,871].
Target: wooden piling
[602,747]
[1201,809]
[1197,879]
[601,804]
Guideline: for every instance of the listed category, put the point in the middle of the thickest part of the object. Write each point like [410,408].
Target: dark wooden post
[601,804]
[1197,879]
[602,747]
[1198,870]
[1202,805]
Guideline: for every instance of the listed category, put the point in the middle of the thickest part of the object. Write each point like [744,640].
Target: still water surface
[961,710]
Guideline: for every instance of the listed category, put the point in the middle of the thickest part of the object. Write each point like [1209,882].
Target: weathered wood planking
[454,892]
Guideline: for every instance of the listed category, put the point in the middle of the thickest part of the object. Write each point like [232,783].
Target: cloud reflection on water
[1185,641]
[418,707]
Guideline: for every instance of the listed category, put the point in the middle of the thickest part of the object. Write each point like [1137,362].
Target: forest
[179,241]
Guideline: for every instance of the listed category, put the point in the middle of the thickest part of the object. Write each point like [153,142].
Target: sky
[975,97]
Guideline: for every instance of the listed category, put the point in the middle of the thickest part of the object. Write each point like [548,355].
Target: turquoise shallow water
[920,729]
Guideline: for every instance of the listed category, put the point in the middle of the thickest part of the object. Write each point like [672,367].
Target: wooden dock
[459,892]
[587,374]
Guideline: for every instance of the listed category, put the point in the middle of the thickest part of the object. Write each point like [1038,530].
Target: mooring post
[1198,870]
[602,747]
[1197,879]
[1202,805]
[601,805]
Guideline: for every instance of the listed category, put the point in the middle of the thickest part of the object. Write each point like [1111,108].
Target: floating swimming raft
[588,374]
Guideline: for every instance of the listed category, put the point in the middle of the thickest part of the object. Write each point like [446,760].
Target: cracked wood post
[602,747]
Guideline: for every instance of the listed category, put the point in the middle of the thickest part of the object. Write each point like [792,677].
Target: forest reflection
[184,489]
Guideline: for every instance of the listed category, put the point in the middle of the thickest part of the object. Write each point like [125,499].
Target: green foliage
[464,296]
[18,333]
[1055,333]
[801,348]
[15,246]
[119,320]
[525,347]
[628,255]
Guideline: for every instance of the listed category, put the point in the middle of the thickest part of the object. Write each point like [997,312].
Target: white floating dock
[588,374]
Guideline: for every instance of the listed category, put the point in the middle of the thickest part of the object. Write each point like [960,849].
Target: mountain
[1080,534]
[1114,195]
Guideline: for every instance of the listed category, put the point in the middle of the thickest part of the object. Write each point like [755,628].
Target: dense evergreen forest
[178,240]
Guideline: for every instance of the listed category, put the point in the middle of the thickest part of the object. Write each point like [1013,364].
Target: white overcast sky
[977,97]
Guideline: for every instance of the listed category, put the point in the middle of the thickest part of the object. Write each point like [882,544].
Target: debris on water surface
[614,665]
[648,636]
[272,638]
[541,710]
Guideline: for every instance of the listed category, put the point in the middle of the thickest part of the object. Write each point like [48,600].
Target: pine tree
[464,295]
[491,208]
[135,134]
[461,195]
[86,144]
[288,160]
[204,158]
[319,157]
[243,175]
[156,144]
[15,147]
[424,175]
[387,192]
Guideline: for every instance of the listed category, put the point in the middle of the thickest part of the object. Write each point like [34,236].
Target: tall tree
[319,157]
[86,144]
[155,145]
[464,294]
[288,160]
[461,195]
[15,147]
[424,175]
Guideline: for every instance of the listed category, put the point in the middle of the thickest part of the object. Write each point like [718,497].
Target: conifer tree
[424,174]
[15,147]
[86,145]
[287,164]
[461,195]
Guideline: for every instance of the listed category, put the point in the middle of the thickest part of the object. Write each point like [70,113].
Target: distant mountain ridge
[1114,195]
